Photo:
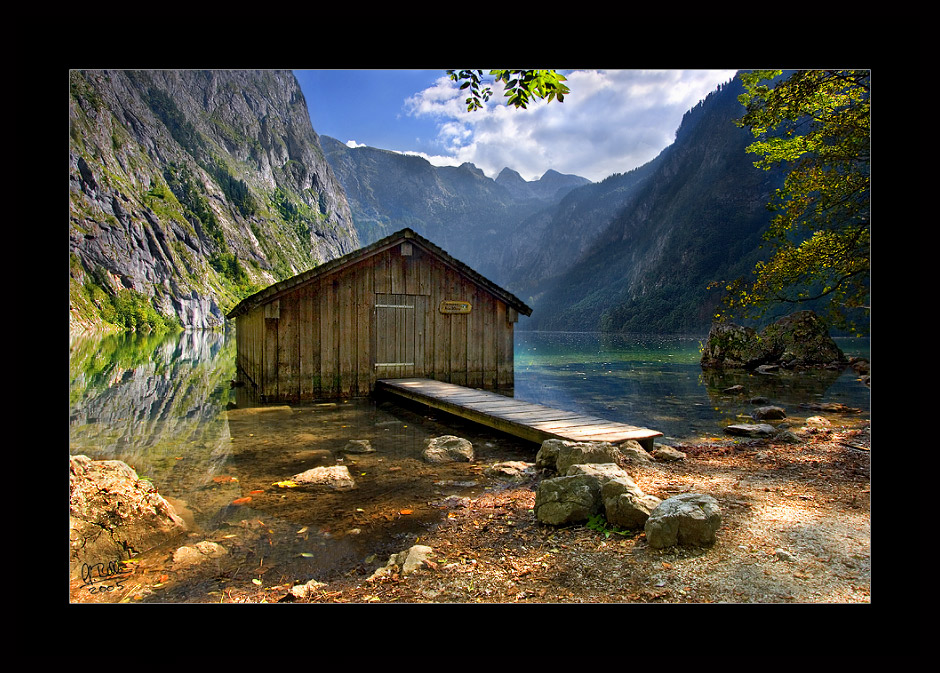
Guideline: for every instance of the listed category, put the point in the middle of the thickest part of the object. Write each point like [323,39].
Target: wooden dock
[534,422]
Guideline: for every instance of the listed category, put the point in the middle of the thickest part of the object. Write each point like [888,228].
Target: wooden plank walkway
[534,422]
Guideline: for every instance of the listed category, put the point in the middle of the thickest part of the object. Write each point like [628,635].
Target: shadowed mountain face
[460,209]
[635,252]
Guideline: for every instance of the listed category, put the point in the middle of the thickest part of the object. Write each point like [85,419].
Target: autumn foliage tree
[816,124]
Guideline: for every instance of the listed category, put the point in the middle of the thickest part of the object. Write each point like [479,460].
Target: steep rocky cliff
[190,189]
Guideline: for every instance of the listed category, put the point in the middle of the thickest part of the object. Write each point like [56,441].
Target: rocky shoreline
[792,525]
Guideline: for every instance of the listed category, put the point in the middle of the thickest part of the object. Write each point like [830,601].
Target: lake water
[164,405]
[657,382]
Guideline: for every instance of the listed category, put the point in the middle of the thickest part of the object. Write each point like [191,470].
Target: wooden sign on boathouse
[398,308]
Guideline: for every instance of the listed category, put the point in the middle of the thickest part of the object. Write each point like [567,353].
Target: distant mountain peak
[509,176]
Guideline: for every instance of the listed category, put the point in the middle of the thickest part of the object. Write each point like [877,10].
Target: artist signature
[104,577]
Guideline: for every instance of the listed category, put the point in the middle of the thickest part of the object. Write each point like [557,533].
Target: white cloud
[611,122]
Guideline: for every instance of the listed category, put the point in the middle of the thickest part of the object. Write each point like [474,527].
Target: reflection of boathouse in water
[398,308]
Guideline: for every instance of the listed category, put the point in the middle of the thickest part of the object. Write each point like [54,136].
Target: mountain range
[192,189]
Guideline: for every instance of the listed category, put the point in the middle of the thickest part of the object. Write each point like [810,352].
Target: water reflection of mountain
[153,401]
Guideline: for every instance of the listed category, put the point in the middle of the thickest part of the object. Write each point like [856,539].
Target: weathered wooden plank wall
[325,338]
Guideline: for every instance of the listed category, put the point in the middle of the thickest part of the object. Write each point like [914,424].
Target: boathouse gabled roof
[273,291]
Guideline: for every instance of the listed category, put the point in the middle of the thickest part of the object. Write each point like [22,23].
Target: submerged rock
[448,448]
[201,551]
[334,476]
[358,446]
[749,430]
[769,413]
[511,470]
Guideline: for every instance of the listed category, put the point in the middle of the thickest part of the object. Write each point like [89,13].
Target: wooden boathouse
[398,308]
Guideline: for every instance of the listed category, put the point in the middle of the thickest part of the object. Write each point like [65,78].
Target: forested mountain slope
[696,216]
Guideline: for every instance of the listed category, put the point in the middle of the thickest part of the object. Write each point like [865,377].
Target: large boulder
[798,341]
[564,500]
[113,514]
[625,504]
[581,453]
[576,496]
[687,519]
[447,449]
[732,346]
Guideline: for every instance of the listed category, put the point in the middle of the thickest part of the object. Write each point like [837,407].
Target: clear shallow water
[657,382]
[159,402]
[164,405]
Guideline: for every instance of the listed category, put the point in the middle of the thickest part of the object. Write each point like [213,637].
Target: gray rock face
[187,184]
[632,452]
[687,519]
[548,454]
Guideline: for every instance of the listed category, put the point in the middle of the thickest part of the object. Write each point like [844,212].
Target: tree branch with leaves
[520,86]
[817,125]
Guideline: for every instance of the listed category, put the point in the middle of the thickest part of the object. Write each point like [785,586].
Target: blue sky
[611,122]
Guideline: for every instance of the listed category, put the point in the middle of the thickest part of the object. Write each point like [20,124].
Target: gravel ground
[796,528]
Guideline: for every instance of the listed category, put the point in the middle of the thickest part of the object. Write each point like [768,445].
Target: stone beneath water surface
[749,430]
[335,476]
[448,448]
